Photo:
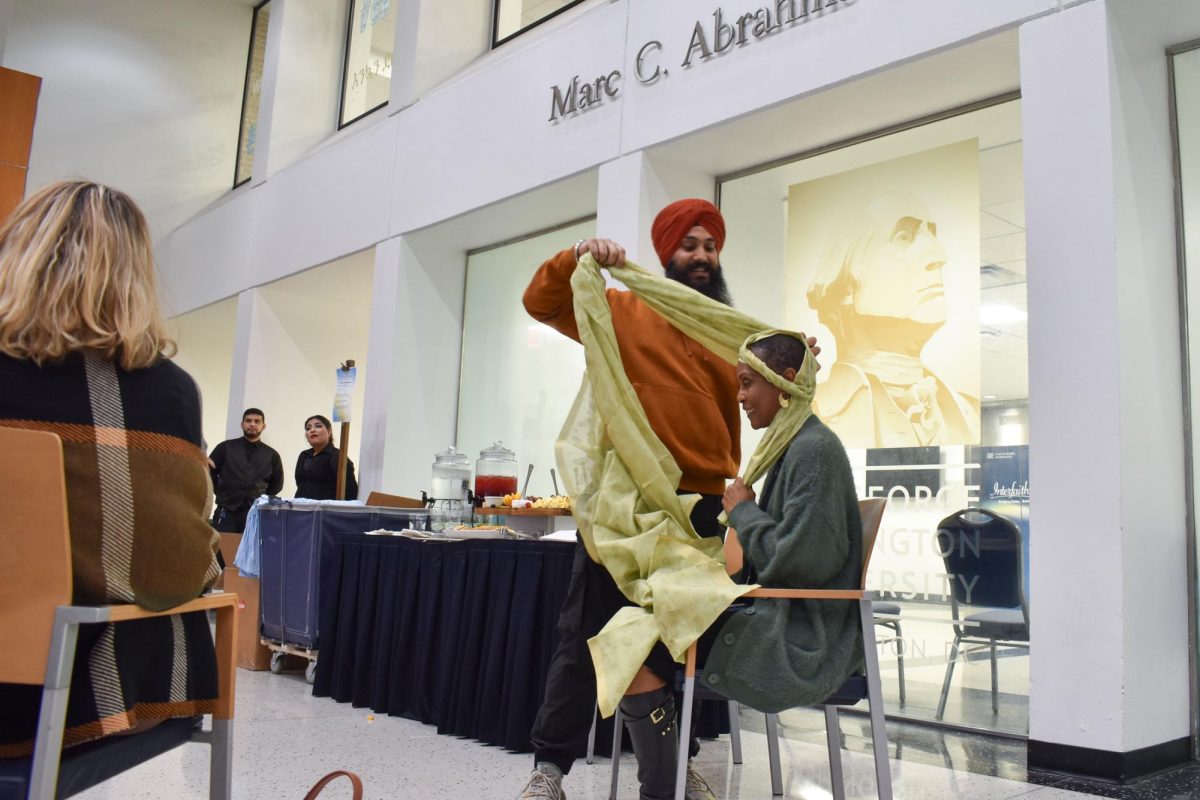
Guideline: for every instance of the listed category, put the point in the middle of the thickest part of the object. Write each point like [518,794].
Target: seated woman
[84,354]
[804,532]
[316,468]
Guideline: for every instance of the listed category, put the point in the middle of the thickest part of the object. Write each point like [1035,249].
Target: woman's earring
[784,400]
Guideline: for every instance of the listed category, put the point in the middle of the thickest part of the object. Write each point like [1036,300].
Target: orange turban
[676,220]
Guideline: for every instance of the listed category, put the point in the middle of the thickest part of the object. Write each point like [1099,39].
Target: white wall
[329,204]
[1110,669]
[1187,82]
[477,154]
[6,7]
[141,94]
[1152,509]
[206,339]
[483,136]
[302,328]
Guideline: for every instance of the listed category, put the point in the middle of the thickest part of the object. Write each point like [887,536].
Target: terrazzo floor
[285,739]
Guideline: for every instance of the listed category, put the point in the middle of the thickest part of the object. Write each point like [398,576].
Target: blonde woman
[84,354]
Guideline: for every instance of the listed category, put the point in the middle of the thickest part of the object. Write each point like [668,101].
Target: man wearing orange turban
[690,398]
[688,236]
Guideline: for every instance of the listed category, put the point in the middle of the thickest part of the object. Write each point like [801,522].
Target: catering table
[454,634]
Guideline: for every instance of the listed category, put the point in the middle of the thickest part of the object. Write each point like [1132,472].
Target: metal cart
[296,542]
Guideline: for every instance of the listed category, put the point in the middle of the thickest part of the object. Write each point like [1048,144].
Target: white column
[415,349]
[1109,594]
[382,380]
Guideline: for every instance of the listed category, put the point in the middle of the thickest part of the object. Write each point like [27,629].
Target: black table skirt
[454,634]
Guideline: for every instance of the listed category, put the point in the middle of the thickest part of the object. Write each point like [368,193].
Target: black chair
[887,615]
[983,551]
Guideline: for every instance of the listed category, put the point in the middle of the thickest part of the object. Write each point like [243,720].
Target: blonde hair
[77,273]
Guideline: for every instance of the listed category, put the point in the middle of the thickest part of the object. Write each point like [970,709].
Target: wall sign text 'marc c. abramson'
[723,34]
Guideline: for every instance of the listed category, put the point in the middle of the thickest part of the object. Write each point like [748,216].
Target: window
[252,95]
[905,255]
[367,74]
[513,17]
[531,371]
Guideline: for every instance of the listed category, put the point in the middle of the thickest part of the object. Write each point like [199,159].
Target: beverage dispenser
[448,503]
[495,472]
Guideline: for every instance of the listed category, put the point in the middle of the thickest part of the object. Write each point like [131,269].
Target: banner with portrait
[883,267]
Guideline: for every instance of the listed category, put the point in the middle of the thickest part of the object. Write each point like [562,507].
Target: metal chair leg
[941,709]
[618,729]
[773,755]
[735,732]
[900,659]
[883,772]
[220,771]
[52,719]
[833,740]
[685,723]
[995,682]
[591,750]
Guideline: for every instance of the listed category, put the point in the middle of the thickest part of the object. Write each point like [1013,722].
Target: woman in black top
[316,469]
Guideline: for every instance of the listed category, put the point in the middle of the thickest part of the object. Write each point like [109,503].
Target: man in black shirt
[242,469]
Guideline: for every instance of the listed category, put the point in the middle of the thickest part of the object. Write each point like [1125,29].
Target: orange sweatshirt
[688,392]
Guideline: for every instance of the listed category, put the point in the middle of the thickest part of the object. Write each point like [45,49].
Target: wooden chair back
[871,511]
[393,501]
[35,550]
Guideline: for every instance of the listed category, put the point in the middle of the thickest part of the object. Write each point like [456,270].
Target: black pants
[565,717]
[228,520]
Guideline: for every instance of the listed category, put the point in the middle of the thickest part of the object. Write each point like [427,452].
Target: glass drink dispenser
[495,472]
[451,479]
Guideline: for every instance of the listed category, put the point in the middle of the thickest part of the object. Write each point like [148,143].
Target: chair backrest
[35,550]
[393,501]
[982,550]
[871,511]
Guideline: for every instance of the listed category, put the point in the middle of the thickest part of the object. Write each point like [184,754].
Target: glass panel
[514,16]
[905,256]
[367,78]
[1185,73]
[519,376]
[252,95]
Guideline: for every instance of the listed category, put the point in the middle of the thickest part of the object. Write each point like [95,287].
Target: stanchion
[343,447]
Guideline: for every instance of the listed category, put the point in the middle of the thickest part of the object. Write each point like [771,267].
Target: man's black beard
[715,289]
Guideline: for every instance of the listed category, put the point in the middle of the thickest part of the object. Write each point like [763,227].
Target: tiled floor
[286,739]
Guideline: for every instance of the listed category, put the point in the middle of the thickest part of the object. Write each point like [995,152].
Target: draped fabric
[453,634]
[623,480]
